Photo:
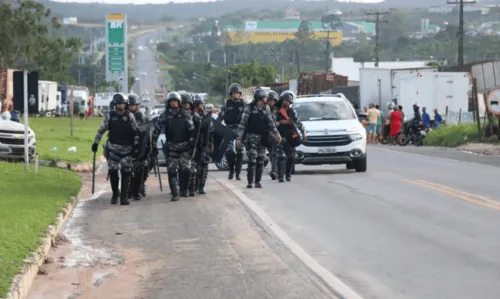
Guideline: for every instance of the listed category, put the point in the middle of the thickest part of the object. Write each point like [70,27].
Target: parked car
[12,141]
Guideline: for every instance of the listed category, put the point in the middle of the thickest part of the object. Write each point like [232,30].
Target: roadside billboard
[103,99]
[276,36]
[70,21]
[116,50]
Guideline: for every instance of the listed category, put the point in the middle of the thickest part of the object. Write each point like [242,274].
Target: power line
[377,22]
[461,29]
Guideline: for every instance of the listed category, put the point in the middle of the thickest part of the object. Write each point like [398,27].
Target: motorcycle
[412,135]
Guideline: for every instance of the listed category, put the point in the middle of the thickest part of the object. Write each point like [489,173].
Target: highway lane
[146,66]
[413,226]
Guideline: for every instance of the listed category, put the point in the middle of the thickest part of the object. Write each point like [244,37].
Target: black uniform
[231,113]
[122,146]
[291,138]
[272,101]
[180,134]
[257,123]
[195,156]
[205,144]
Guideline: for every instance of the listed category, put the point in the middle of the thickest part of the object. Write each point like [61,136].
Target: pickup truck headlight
[356,137]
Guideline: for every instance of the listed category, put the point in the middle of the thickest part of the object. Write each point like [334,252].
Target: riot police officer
[187,104]
[122,145]
[289,126]
[231,112]
[272,100]
[205,144]
[180,134]
[141,166]
[258,123]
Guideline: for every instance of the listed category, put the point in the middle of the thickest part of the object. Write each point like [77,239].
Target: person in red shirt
[396,119]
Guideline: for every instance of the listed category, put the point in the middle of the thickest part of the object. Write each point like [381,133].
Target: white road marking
[331,280]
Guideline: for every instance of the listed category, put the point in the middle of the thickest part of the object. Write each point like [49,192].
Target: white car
[334,133]
[12,140]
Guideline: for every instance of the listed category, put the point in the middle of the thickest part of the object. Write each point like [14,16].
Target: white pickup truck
[12,140]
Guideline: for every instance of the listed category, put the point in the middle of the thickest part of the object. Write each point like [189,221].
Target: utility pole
[226,67]
[460,33]
[377,22]
[327,58]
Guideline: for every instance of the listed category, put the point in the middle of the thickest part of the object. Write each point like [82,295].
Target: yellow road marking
[487,199]
[456,193]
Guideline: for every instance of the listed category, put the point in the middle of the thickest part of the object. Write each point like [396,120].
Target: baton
[93,174]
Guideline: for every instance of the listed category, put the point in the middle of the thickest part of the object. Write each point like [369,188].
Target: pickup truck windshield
[311,111]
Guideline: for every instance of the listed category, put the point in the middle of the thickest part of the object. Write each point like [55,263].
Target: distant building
[446,9]
[292,14]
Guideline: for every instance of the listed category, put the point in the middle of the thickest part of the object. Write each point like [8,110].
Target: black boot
[237,169]
[137,184]
[131,187]
[230,164]
[114,179]
[125,185]
[202,176]
[184,177]
[250,174]
[258,174]
[290,162]
[192,182]
[281,170]
[142,192]
[173,182]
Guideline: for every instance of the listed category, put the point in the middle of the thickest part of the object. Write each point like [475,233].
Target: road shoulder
[202,247]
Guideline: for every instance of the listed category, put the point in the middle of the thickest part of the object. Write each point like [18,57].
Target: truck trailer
[47,98]
[380,86]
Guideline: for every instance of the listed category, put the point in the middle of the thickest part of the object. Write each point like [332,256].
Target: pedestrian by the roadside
[400,109]
[396,119]
[438,119]
[371,128]
[426,119]
[380,126]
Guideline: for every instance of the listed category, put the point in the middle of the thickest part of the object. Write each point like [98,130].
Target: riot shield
[222,136]
[144,141]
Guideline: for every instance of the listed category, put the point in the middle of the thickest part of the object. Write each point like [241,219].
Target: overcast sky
[176,1]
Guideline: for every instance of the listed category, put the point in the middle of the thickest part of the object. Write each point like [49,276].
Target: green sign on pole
[116,49]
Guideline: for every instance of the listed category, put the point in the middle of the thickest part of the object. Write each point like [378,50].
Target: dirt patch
[113,279]
[481,148]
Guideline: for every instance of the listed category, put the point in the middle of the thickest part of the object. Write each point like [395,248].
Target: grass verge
[29,204]
[452,136]
[56,133]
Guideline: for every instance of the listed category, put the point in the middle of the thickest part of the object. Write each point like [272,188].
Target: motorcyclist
[417,117]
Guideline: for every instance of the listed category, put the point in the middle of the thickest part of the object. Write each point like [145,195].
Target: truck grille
[11,132]
[12,141]
[329,140]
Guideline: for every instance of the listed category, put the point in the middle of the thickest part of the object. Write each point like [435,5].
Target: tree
[331,22]
[304,33]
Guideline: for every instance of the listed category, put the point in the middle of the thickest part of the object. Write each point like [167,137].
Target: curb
[22,282]
[330,280]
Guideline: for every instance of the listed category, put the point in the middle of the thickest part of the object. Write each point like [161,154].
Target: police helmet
[133,99]
[172,96]
[259,94]
[120,98]
[235,87]
[198,100]
[272,95]
[287,96]
[186,99]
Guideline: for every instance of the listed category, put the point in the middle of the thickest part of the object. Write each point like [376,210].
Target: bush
[452,136]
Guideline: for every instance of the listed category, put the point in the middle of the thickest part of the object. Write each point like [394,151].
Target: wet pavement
[202,247]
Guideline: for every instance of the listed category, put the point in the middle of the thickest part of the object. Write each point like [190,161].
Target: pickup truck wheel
[361,165]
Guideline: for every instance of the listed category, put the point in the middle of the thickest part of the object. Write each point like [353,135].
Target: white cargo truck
[47,98]
[379,86]
[440,90]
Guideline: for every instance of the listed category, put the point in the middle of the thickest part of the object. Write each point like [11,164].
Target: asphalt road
[146,66]
[421,223]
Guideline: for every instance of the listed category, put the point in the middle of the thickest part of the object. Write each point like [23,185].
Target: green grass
[56,133]
[452,136]
[28,205]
